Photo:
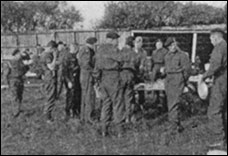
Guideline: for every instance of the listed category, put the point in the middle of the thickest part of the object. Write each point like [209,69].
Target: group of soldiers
[112,73]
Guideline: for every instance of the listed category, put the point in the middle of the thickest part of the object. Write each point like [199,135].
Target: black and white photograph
[113,77]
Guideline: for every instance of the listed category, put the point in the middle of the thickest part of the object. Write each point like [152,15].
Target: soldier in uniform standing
[62,50]
[49,77]
[128,75]
[71,72]
[108,61]
[141,67]
[142,55]
[86,59]
[14,75]
[218,98]
[158,59]
[177,67]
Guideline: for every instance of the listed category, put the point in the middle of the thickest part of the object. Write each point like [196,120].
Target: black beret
[25,55]
[15,52]
[52,44]
[159,40]
[130,41]
[91,40]
[112,35]
[218,30]
[169,41]
[60,42]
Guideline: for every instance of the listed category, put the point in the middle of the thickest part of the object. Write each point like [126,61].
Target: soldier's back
[129,58]
[108,57]
[86,58]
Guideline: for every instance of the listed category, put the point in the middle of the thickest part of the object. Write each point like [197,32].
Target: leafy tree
[196,14]
[139,14]
[150,14]
[37,15]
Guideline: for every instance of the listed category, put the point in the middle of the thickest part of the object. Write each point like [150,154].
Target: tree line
[24,16]
[151,14]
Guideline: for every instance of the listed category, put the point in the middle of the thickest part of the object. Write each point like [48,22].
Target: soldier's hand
[70,85]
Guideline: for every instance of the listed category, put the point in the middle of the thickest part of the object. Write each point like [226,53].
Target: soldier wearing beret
[128,75]
[108,61]
[71,76]
[218,96]
[14,75]
[86,60]
[49,87]
[62,51]
[177,67]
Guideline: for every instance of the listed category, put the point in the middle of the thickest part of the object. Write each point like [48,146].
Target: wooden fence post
[17,40]
[37,39]
[96,35]
[75,41]
[194,47]
[55,36]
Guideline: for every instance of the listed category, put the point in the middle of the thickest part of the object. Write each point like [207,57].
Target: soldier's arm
[186,65]
[153,54]
[215,63]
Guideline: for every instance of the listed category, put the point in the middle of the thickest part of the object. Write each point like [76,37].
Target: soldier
[87,64]
[49,77]
[142,55]
[141,67]
[108,61]
[158,58]
[14,75]
[177,67]
[62,50]
[128,75]
[71,77]
[218,99]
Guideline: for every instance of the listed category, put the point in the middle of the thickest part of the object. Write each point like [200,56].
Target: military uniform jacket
[108,58]
[16,69]
[130,59]
[158,56]
[70,67]
[86,58]
[218,61]
[48,58]
[177,62]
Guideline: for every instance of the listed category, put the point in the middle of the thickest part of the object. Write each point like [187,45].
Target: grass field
[30,135]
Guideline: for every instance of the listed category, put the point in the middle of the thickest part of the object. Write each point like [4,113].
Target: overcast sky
[94,10]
